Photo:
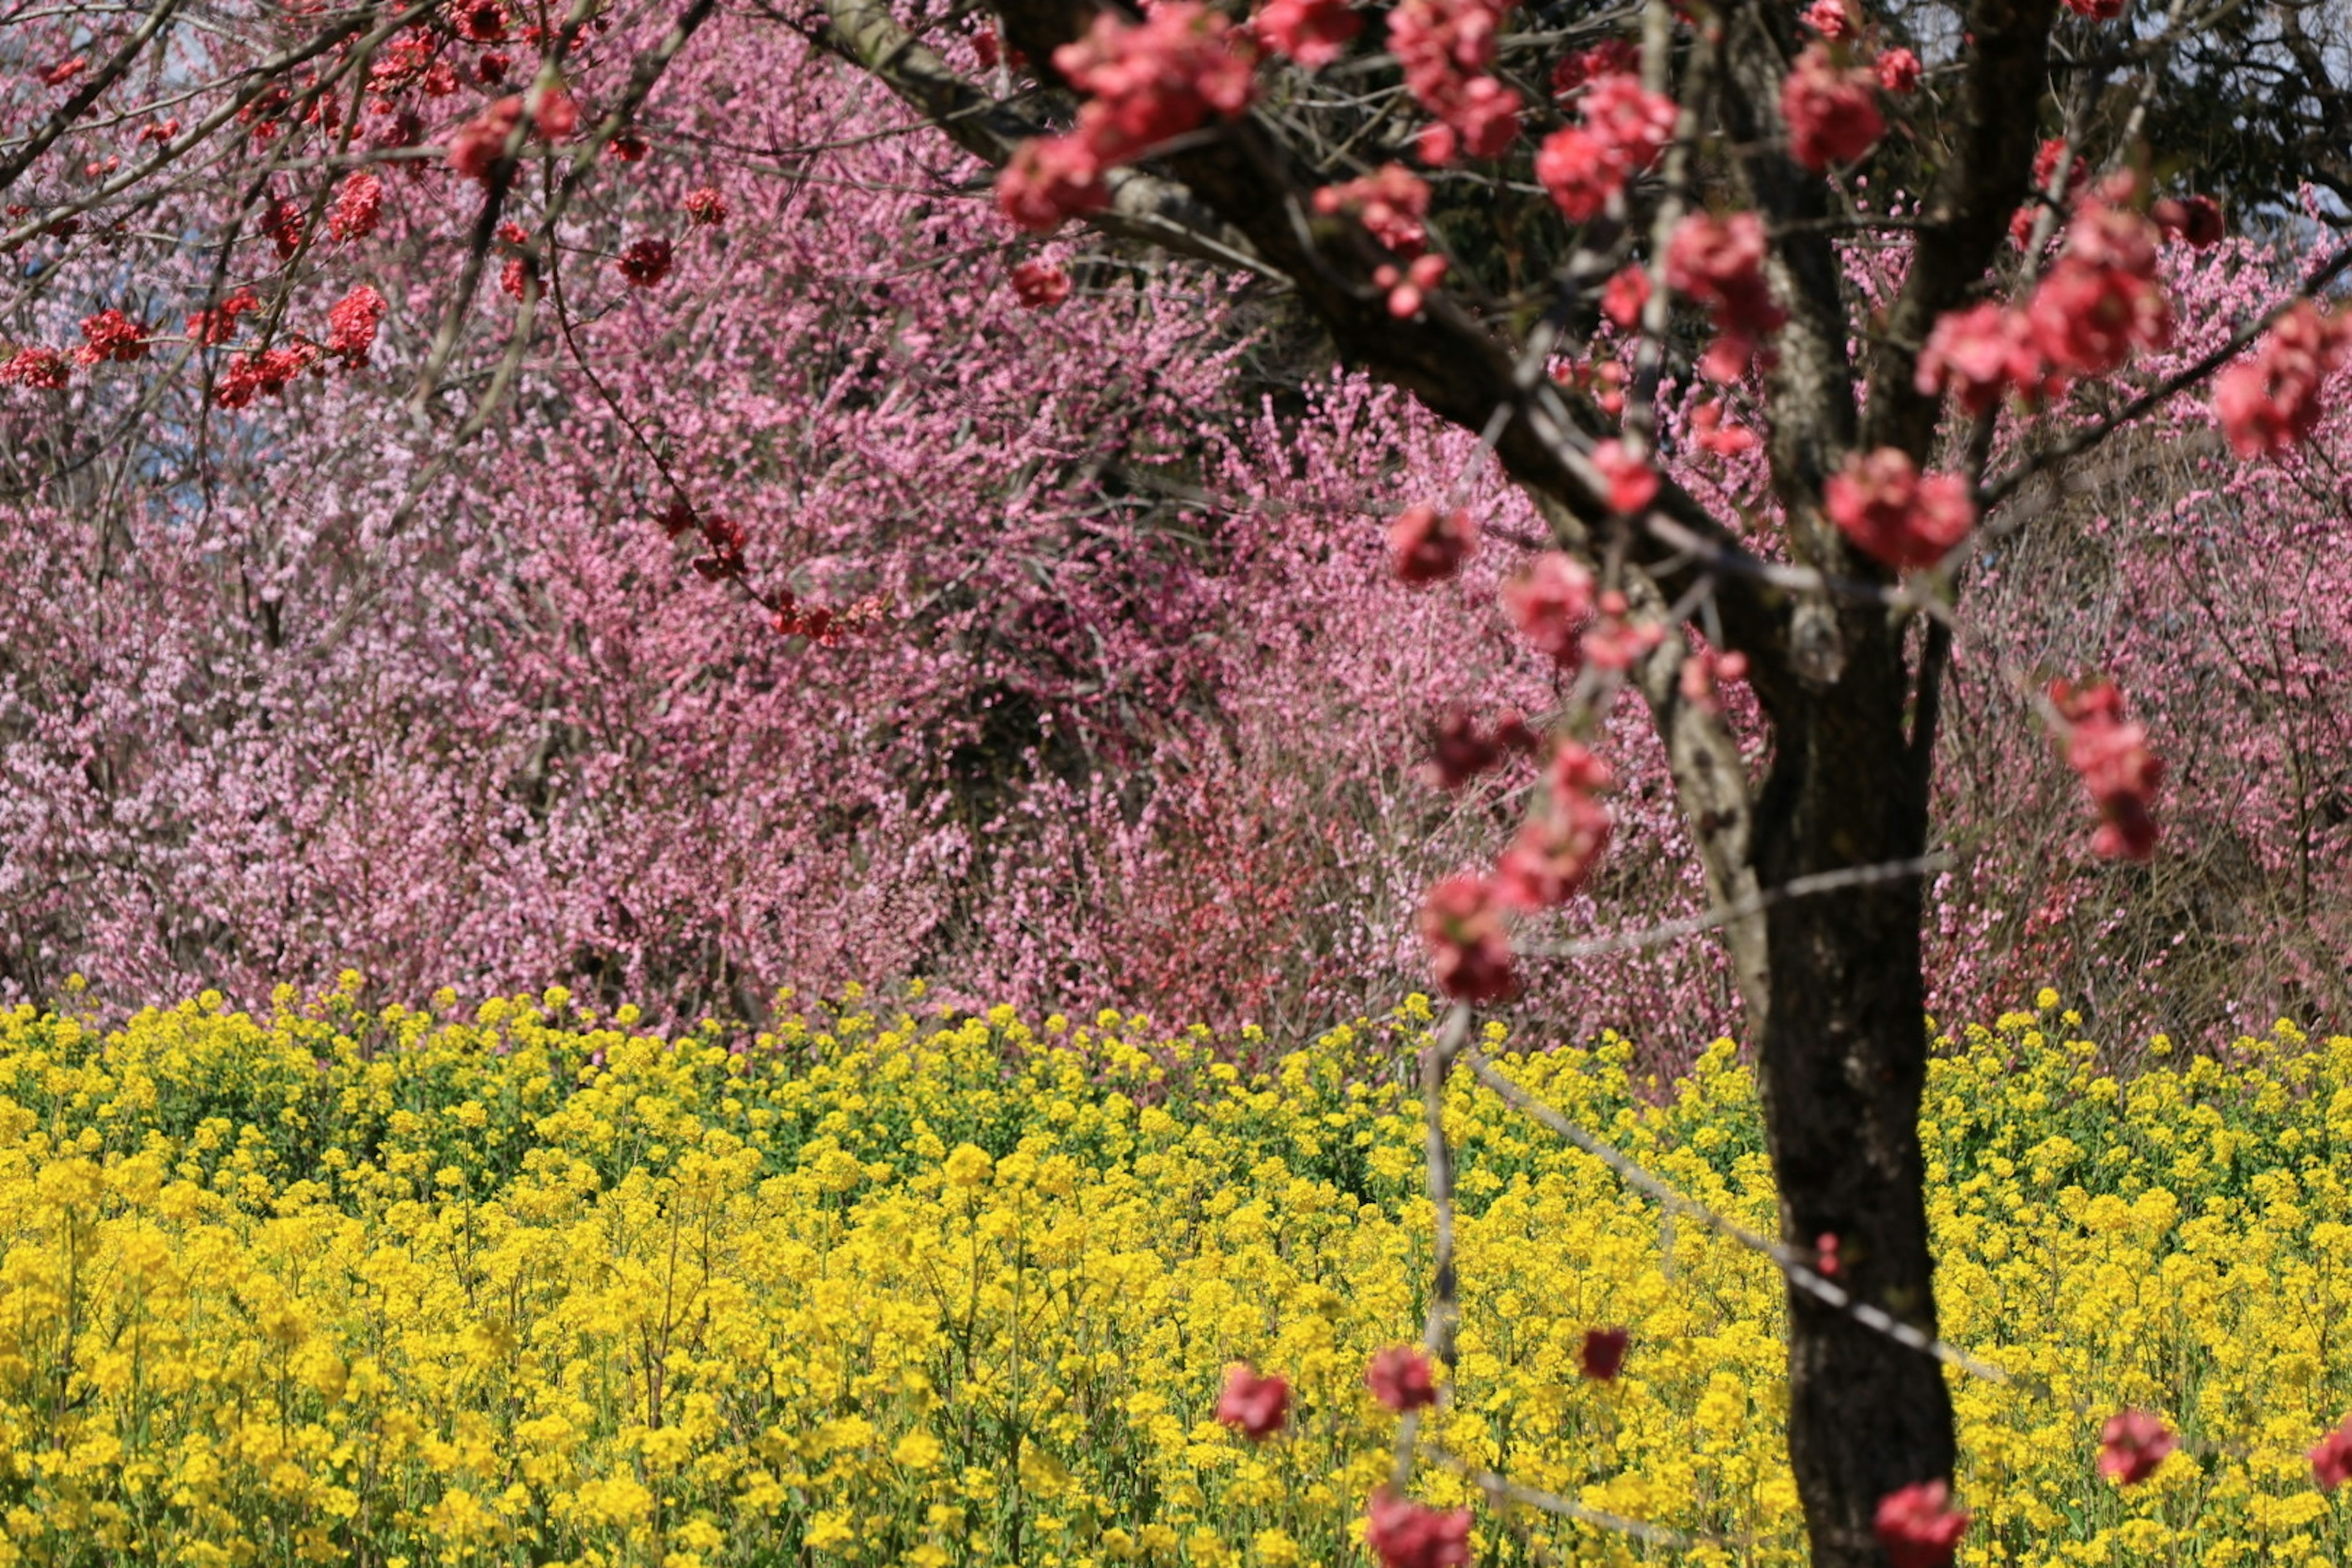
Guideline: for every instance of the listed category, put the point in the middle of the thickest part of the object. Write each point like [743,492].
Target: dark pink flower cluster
[42,369]
[1719,263]
[1459,752]
[1830,19]
[1563,838]
[2112,757]
[1601,1355]
[706,206]
[351,323]
[2132,1445]
[1617,641]
[1899,71]
[2097,10]
[1253,1406]
[2271,402]
[1400,1379]
[824,625]
[2098,304]
[111,335]
[475,147]
[1894,514]
[1551,603]
[644,263]
[357,207]
[1445,46]
[1918,1526]
[218,324]
[1391,203]
[1462,921]
[1633,482]
[1406,1534]
[1831,110]
[1312,32]
[2331,1459]
[1625,129]
[281,224]
[1426,545]
[1146,83]
[2101,300]
[263,372]
[1040,285]
[1614,57]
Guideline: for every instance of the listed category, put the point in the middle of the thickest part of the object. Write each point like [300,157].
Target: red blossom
[2097,10]
[492,68]
[1445,48]
[477,145]
[1625,128]
[2272,401]
[706,207]
[1426,545]
[111,335]
[281,223]
[1563,837]
[1603,1354]
[1624,297]
[1893,513]
[1181,67]
[62,72]
[1617,641]
[1390,203]
[357,206]
[1459,752]
[2194,220]
[1614,57]
[1050,180]
[158,131]
[1918,1526]
[554,114]
[2331,1459]
[1040,286]
[351,323]
[1255,1407]
[1833,113]
[480,21]
[1406,1534]
[1899,71]
[2112,757]
[1550,601]
[628,147]
[1632,483]
[42,369]
[1462,921]
[1400,1379]
[263,373]
[1982,352]
[1830,19]
[219,325]
[1312,32]
[645,262]
[1719,263]
[2132,1445]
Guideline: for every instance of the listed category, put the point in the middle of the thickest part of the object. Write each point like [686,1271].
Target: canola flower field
[528,1286]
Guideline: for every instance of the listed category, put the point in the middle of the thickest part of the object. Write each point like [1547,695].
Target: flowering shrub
[530,1284]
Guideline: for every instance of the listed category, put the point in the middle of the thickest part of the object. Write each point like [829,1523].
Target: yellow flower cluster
[406,1287]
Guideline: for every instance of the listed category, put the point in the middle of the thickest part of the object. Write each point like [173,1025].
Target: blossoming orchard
[617,611]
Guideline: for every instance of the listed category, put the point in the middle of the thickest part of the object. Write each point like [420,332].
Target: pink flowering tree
[1697,187]
[1736,450]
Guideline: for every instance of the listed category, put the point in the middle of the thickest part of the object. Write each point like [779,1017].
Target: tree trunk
[1842,1060]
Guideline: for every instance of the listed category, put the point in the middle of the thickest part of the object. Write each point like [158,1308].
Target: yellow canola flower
[329,1284]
